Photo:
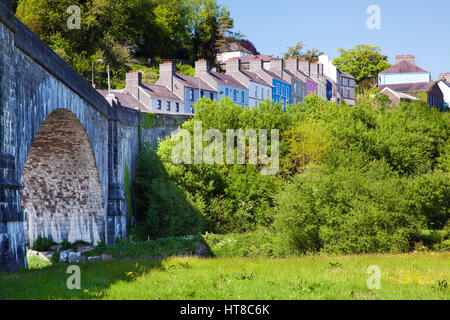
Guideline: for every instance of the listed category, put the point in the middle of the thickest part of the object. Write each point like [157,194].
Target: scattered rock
[64,256]
[95,258]
[84,249]
[106,257]
[74,257]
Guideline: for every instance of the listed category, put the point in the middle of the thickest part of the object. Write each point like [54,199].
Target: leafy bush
[163,210]
[43,244]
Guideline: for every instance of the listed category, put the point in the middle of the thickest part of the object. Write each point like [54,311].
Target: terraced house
[281,91]
[298,87]
[226,85]
[148,97]
[189,89]
[259,89]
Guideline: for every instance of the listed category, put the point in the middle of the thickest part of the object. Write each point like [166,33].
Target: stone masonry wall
[62,198]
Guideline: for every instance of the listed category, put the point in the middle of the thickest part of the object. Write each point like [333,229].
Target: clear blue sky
[414,27]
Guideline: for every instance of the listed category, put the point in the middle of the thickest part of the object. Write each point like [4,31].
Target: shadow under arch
[62,197]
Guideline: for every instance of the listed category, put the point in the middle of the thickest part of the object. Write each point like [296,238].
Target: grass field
[404,276]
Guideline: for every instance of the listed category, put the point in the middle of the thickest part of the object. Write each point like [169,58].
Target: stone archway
[62,198]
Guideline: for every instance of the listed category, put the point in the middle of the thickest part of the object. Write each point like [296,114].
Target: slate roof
[161,92]
[194,82]
[345,75]
[404,67]
[126,100]
[275,76]
[226,80]
[409,87]
[255,78]
[399,95]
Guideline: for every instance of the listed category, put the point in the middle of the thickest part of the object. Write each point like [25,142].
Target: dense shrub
[163,209]
[352,180]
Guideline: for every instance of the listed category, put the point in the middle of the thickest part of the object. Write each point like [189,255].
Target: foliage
[162,209]
[43,244]
[114,31]
[352,179]
[364,62]
[296,52]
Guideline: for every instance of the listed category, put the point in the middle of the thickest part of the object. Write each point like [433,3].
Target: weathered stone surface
[74,257]
[67,144]
[64,256]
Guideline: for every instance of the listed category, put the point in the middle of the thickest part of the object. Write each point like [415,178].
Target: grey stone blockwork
[64,149]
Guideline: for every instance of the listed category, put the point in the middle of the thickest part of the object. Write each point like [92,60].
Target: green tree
[364,62]
[296,52]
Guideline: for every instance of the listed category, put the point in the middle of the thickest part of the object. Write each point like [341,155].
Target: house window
[287,92]
[226,92]
[159,105]
[242,97]
[201,93]
[191,91]
[168,105]
[177,107]
[256,92]
[234,95]
[278,88]
[211,96]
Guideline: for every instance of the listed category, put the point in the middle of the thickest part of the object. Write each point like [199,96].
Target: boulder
[74,257]
[64,256]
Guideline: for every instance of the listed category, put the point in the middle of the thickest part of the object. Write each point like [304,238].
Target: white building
[151,97]
[232,50]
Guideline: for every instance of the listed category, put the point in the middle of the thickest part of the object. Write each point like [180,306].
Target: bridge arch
[62,198]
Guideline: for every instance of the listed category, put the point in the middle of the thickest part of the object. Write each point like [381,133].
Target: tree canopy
[364,62]
[297,52]
[117,30]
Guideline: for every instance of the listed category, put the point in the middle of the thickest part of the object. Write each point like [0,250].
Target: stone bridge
[64,149]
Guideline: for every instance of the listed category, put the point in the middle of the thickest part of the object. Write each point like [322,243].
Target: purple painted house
[311,87]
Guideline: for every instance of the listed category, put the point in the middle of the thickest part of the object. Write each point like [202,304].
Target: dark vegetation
[120,33]
[351,180]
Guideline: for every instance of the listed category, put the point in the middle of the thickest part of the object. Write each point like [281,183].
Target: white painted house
[232,50]
[151,97]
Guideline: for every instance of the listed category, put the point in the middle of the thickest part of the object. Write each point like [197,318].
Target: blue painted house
[281,91]
[225,84]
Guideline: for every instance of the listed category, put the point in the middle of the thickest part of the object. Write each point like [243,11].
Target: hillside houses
[249,80]
[405,81]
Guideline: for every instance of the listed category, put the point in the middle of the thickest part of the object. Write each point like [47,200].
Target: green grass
[404,276]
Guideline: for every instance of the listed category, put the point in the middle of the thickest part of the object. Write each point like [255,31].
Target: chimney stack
[276,66]
[233,65]
[202,66]
[305,67]
[167,71]
[409,58]
[292,65]
[134,78]
[256,64]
